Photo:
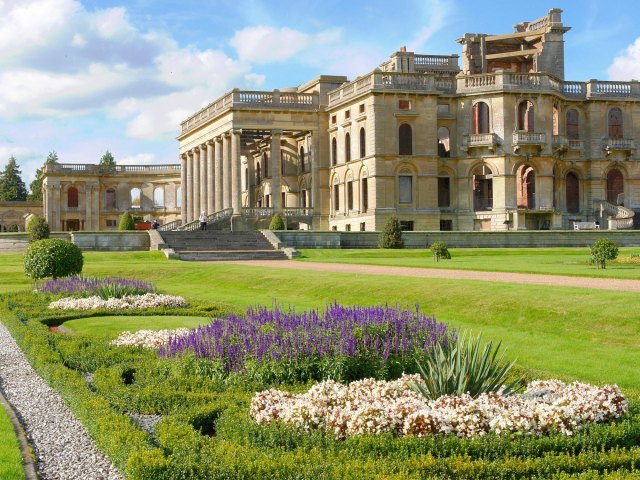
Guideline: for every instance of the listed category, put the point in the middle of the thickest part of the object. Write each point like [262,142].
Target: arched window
[336,195]
[480,116]
[179,197]
[444,143]
[136,200]
[482,188]
[526,185]
[405,140]
[110,198]
[158,197]
[526,116]
[572,192]
[265,164]
[615,187]
[347,148]
[615,123]
[302,159]
[72,197]
[334,151]
[258,174]
[363,145]
[573,124]
[444,191]
[555,127]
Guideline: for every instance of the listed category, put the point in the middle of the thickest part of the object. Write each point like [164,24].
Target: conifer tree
[391,236]
[12,187]
[107,163]
[36,185]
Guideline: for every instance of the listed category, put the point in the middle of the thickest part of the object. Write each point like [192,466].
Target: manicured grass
[10,456]
[551,261]
[111,326]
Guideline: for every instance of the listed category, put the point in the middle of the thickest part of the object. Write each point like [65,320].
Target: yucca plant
[466,366]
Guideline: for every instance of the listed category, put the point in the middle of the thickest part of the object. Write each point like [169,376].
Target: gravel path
[60,443]
[530,278]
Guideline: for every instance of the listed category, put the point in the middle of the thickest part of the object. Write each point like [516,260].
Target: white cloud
[626,65]
[436,13]
[139,159]
[264,44]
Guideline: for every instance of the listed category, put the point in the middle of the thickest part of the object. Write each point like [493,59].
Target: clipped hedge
[52,257]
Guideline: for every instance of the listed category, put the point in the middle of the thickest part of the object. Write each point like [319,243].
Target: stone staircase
[210,246]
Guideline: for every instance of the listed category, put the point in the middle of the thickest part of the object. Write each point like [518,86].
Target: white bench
[586,226]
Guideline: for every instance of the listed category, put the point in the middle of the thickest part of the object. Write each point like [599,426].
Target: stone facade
[89,197]
[503,143]
[15,215]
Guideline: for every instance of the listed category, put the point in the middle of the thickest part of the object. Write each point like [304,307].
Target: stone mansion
[502,142]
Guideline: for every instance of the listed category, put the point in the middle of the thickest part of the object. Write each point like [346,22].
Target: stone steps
[226,255]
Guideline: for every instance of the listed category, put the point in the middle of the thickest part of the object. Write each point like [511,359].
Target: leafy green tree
[603,250]
[439,250]
[37,229]
[277,223]
[126,222]
[107,163]
[36,185]
[391,236]
[52,257]
[12,187]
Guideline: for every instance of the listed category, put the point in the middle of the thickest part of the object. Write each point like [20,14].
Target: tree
[52,257]
[126,222]
[37,229]
[12,187]
[36,185]
[391,236]
[277,223]
[107,163]
[603,250]
[440,250]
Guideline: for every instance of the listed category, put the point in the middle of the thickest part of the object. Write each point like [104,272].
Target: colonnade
[211,177]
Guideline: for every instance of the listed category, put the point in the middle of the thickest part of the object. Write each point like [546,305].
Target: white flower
[148,300]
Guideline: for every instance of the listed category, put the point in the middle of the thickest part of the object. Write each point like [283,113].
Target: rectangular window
[406,225]
[444,189]
[362,226]
[442,108]
[350,195]
[361,108]
[336,198]
[334,228]
[112,223]
[347,115]
[334,119]
[365,195]
[347,227]
[405,186]
[404,104]
[446,225]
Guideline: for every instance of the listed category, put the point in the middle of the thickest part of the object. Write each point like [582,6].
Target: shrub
[603,250]
[391,236]
[52,258]
[465,367]
[37,229]
[126,222]
[440,250]
[277,223]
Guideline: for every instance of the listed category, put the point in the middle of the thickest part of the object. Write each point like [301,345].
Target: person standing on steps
[203,220]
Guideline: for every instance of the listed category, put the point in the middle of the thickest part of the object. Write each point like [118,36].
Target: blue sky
[84,76]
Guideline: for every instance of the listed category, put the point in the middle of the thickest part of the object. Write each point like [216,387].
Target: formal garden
[192,370]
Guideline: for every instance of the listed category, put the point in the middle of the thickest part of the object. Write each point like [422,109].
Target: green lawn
[10,455]
[111,327]
[552,261]
[592,335]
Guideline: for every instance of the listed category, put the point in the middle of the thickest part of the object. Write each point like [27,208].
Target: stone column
[48,203]
[251,179]
[183,188]
[88,216]
[97,193]
[203,179]
[55,208]
[189,187]
[195,209]
[219,172]
[211,201]
[226,170]
[276,166]
[236,173]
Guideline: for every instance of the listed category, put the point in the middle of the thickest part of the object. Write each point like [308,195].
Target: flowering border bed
[148,338]
[148,300]
[374,407]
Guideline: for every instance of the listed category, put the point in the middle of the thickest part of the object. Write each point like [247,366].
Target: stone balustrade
[529,138]
[94,169]
[476,140]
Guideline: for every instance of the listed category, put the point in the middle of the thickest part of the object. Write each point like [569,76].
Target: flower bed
[148,338]
[373,407]
[90,286]
[148,300]
[380,336]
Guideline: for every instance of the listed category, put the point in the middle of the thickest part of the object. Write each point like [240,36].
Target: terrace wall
[101,241]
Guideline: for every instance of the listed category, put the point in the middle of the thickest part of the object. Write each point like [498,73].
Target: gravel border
[61,445]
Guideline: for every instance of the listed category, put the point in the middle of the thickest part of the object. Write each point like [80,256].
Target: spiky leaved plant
[465,366]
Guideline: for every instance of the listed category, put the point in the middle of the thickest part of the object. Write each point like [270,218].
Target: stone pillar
[276,166]
[203,179]
[189,187]
[251,179]
[48,203]
[183,188]
[219,172]
[236,173]
[55,208]
[88,214]
[195,206]
[226,171]
[211,201]
[97,193]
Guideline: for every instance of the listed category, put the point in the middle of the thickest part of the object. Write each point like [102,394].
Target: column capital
[236,131]
[276,131]
[211,141]
[203,146]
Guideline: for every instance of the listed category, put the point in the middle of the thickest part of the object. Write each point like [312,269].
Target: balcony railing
[92,168]
[529,138]
[257,212]
[479,140]
[297,212]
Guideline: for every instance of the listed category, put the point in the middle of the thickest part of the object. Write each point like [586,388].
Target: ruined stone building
[502,142]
